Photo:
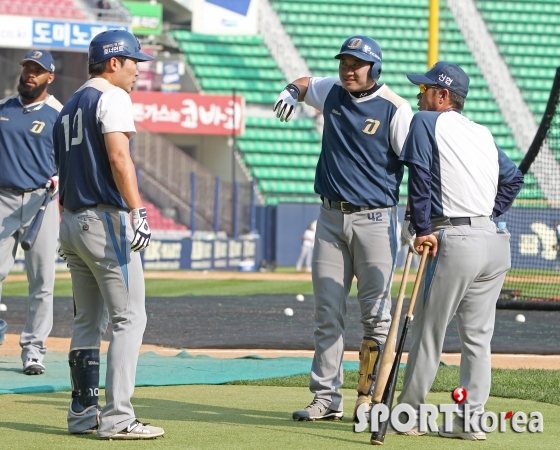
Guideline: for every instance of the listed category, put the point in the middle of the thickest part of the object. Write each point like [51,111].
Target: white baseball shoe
[33,367]
[137,430]
[458,432]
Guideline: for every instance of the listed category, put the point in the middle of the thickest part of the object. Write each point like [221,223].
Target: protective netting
[534,220]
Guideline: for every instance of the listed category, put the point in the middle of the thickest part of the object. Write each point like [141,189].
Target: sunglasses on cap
[425,87]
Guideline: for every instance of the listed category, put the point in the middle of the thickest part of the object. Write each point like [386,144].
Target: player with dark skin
[26,152]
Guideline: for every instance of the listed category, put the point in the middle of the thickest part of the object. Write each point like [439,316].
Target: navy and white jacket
[455,170]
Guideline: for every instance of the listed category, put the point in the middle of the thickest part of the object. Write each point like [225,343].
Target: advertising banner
[179,254]
[146,17]
[188,113]
[68,35]
[15,32]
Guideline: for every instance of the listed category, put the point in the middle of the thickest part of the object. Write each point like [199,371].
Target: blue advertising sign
[68,35]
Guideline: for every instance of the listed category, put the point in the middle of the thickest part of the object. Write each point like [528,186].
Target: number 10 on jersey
[76,125]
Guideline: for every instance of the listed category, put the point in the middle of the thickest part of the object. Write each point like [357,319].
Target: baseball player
[27,164]
[458,180]
[98,189]
[358,177]
[308,241]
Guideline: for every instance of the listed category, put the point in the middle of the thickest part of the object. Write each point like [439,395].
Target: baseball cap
[41,57]
[362,47]
[445,74]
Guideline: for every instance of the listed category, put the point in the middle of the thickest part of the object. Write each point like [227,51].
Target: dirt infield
[62,345]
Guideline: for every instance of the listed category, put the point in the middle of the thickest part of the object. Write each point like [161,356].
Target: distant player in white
[98,190]
[358,177]
[26,163]
[458,180]
[306,253]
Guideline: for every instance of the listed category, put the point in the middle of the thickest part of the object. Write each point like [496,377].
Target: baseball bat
[378,386]
[378,437]
[33,230]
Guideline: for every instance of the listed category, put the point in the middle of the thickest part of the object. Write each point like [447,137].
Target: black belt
[458,221]
[347,207]
[22,191]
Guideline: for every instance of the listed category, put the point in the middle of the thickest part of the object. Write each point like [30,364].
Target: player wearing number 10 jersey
[98,189]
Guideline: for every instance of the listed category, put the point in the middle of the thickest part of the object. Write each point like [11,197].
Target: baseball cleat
[137,430]
[413,432]
[459,433]
[316,410]
[33,367]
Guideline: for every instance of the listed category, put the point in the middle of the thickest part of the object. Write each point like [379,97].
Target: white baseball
[300,298]
[289,312]
[3,307]
[520,318]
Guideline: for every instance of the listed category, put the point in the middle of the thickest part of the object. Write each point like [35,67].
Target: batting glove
[408,235]
[61,253]
[286,103]
[142,233]
[53,185]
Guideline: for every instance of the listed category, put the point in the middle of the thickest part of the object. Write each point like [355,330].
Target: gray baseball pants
[364,245]
[16,213]
[106,276]
[464,278]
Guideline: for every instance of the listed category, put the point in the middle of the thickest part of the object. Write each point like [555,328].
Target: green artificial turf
[529,384]
[241,417]
[178,288]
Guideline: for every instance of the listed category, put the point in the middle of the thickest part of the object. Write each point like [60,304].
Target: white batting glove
[286,103]
[142,233]
[408,235]
[53,186]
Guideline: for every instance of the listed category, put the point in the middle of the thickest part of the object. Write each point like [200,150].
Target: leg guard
[370,350]
[84,371]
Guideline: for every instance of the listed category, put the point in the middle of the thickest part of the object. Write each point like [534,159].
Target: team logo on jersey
[37,126]
[354,43]
[37,55]
[372,126]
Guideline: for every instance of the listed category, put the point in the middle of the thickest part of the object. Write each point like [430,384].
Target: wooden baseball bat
[388,354]
[378,437]
[33,230]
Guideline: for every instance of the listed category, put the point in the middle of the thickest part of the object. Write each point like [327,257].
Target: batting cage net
[534,220]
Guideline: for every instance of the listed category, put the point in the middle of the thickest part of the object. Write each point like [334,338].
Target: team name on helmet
[115,47]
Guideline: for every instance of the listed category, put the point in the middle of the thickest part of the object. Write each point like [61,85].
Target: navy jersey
[86,179]
[362,139]
[26,147]
[456,170]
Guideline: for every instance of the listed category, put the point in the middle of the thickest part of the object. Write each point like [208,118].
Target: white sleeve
[318,90]
[114,111]
[400,124]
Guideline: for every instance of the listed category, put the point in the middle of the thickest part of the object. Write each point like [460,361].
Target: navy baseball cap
[42,58]
[362,47]
[445,74]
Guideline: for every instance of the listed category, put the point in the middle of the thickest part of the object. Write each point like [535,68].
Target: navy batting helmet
[366,49]
[115,43]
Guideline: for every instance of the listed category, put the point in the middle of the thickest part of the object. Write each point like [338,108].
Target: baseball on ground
[289,312]
[520,318]
[300,298]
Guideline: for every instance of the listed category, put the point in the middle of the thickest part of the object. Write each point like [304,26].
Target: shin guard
[370,352]
[84,371]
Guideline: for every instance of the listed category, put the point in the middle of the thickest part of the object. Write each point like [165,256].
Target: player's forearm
[122,168]
[302,84]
